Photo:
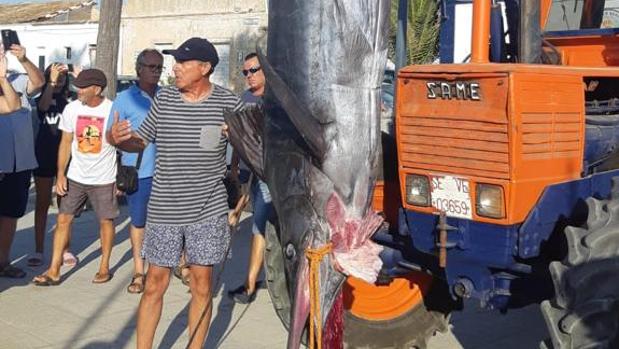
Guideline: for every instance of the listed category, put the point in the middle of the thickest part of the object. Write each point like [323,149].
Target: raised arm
[35,76]
[46,98]
[9,100]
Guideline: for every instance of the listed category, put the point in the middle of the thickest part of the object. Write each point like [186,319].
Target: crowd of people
[173,138]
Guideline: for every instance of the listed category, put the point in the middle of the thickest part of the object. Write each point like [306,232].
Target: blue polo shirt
[16,134]
[133,104]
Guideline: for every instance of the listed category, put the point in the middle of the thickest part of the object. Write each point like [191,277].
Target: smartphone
[9,37]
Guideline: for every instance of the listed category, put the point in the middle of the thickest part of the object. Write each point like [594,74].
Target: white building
[61,31]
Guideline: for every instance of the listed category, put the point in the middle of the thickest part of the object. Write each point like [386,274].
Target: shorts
[204,243]
[262,205]
[14,189]
[102,198]
[138,202]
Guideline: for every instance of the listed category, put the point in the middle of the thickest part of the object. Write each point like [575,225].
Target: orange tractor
[505,188]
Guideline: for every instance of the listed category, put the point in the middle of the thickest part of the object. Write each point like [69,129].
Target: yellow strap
[315,255]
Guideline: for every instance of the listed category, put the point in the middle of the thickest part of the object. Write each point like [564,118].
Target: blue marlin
[316,141]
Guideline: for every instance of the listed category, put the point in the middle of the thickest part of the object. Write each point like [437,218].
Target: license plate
[451,194]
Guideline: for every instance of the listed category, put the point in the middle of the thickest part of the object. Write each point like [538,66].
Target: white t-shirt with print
[93,159]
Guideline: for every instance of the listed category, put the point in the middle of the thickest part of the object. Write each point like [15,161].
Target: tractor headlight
[490,202]
[417,190]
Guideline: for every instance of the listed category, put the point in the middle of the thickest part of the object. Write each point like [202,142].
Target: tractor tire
[410,330]
[585,311]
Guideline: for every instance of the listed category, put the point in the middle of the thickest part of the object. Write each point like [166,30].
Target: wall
[232,25]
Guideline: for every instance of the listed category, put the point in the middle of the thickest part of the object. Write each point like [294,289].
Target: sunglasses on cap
[253,70]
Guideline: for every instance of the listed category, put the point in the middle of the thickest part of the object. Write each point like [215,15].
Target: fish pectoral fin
[301,117]
[245,129]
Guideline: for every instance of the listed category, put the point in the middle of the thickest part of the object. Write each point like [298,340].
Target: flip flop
[137,287]
[36,260]
[12,272]
[101,278]
[69,259]
[45,280]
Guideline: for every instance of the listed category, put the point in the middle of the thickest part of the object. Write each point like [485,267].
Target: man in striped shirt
[188,206]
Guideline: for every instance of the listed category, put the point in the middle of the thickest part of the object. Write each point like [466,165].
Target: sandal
[45,280]
[102,278]
[69,259]
[137,287]
[12,272]
[36,260]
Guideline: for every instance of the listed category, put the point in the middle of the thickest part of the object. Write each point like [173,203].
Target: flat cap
[90,77]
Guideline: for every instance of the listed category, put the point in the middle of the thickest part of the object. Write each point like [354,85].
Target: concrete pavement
[79,314]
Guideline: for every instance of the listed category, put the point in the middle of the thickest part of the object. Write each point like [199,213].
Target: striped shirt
[190,162]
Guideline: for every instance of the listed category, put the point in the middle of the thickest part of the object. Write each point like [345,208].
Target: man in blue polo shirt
[133,105]
[16,158]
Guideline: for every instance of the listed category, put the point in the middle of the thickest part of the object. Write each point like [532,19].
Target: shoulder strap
[137,165]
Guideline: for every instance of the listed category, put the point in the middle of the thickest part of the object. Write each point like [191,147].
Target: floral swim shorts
[205,242]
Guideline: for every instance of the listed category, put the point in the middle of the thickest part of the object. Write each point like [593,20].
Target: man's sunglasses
[154,67]
[253,70]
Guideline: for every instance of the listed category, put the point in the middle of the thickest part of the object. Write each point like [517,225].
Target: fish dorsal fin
[301,117]
[245,132]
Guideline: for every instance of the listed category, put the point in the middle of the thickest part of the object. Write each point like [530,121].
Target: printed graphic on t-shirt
[89,132]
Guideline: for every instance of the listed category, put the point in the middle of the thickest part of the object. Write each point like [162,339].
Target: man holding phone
[17,157]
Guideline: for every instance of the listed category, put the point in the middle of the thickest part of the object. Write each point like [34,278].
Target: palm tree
[422,33]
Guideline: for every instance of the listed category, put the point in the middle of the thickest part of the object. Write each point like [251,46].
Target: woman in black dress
[50,105]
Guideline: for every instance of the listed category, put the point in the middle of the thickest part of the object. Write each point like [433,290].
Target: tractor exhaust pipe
[480,45]
[530,36]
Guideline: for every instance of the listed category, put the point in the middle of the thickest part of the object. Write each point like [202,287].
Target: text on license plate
[451,194]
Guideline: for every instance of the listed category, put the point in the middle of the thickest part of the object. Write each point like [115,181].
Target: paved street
[79,314]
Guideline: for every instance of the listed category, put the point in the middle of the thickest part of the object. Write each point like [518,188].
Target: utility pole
[108,39]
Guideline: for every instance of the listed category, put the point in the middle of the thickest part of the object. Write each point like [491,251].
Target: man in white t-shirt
[91,175]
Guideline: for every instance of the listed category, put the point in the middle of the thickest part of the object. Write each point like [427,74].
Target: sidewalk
[79,314]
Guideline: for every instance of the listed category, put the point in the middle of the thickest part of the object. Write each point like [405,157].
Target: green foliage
[423,30]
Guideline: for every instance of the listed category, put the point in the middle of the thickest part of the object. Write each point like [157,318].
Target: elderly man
[133,105]
[188,206]
[91,175]
[17,159]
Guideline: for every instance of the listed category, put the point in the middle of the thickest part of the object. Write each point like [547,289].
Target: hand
[224,130]
[19,52]
[61,185]
[121,130]
[55,72]
[3,65]
[233,218]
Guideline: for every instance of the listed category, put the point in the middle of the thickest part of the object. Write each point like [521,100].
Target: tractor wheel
[395,315]
[392,316]
[275,275]
[584,312]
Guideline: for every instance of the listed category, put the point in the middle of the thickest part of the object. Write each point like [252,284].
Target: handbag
[127,176]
